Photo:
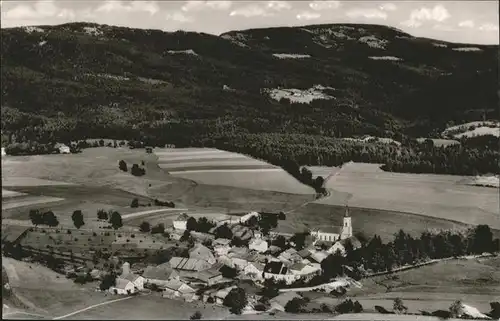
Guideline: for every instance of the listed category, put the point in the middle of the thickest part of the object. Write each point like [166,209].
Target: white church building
[335,233]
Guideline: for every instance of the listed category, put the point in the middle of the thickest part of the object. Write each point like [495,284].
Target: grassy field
[441,196]
[475,281]
[151,307]
[217,167]
[45,292]
[367,221]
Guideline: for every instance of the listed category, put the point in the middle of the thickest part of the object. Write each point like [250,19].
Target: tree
[300,240]
[122,165]
[224,232]
[482,239]
[281,216]
[196,316]
[135,203]
[191,224]
[280,241]
[77,218]
[295,305]
[102,214]
[186,236]
[399,307]
[228,272]
[145,227]
[116,220]
[137,171]
[332,265]
[50,219]
[36,217]
[158,229]
[270,291]
[108,281]
[236,300]
[456,309]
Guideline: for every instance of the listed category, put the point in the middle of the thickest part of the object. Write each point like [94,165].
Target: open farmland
[474,281]
[217,167]
[151,307]
[440,196]
[364,220]
[45,292]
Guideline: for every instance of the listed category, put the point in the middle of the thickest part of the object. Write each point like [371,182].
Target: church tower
[347,225]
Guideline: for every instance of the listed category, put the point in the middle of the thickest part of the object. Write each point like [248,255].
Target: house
[221,246]
[122,287]
[303,269]
[278,271]
[63,149]
[319,256]
[340,245]
[174,289]
[189,264]
[199,251]
[222,294]
[180,223]
[242,232]
[279,302]
[254,270]
[210,276]
[159,275]
[3,152]
[290,256]
[335,233]
[248,216]
[258,244]
[274,250]
[202,237]
[137,280]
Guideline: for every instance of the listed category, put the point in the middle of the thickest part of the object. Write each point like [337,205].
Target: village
[236,257]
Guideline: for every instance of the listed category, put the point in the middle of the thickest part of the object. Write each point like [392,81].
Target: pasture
[474,281]
[440,196]
[218,167]
[151,307]
[45,292]
[364,220]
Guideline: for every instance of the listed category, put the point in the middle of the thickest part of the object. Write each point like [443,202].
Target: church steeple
[347,226]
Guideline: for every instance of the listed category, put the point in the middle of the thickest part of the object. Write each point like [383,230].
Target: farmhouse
[175,288]
[319,256]
[221,246]
[199,251]
[63,149]
[303,269]
[122,287]
[181,221]
[246,217]
[258,244]
[242,232]
[210,276]
[254,270]
[3,152]
[278,303]
[340,245]
[335,233]
[185,264]
[159,275]
[278,271]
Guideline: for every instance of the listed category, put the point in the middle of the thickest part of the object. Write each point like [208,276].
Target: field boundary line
[91,307]
[25,313]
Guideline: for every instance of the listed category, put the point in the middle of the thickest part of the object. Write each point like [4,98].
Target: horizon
[466,22]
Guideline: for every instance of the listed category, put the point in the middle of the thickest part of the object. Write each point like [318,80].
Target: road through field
[143,213]
[91,307]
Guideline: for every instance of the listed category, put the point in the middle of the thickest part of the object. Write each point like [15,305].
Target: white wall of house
[239,264]
[328,237]
[3,152]
[258,245]
[64,150]
[250,269]
[124,291]
[139,283]
[289,278]
[335,247]
[221,250]
[180,225]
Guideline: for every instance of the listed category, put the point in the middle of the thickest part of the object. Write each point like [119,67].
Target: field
[440,196]
[151,307]
[475,281]
[440,142]
[476,128]
[217,167]
[45,292]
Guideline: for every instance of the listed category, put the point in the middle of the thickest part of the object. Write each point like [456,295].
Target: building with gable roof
[180,223]
[335,233]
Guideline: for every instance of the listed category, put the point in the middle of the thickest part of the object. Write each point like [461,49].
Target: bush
[137,171]
[236,300]
[295,305]
[145,227]
[68,232]
[158,229]
[135,203]
[195,316]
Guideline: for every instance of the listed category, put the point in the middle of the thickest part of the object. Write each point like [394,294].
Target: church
[335,233]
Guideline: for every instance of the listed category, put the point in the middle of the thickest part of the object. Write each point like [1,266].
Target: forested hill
[86,80]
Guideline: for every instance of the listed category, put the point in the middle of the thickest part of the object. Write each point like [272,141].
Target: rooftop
[331,229]
[160,272]
[122,283]
[189,264]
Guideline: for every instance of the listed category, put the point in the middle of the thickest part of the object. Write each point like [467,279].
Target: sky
[456,21]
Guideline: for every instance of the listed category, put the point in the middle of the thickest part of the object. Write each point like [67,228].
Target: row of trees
[46,218]
[407,250]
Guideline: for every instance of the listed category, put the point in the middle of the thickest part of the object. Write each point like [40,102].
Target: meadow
[474,281]
[446,197]
[217,167]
